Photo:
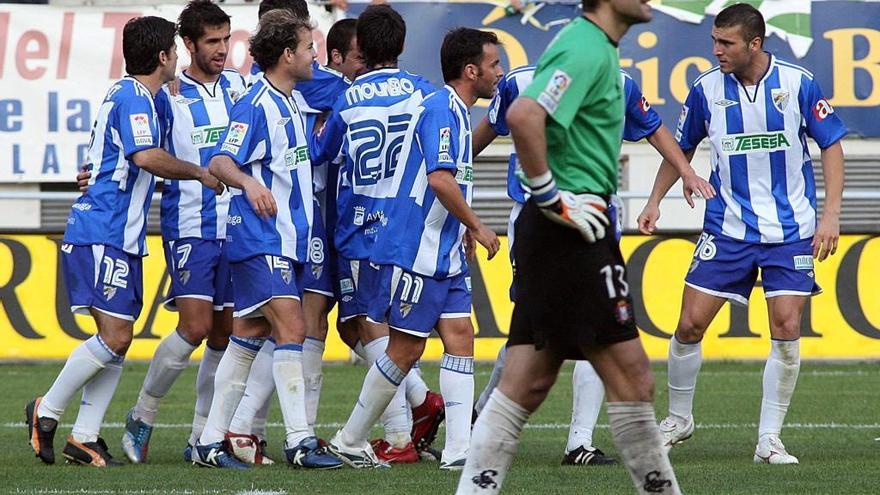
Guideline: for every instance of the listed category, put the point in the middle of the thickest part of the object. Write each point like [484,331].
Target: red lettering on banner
[4,33]
[240,36]
[116,21]
[64,49]
[25,51]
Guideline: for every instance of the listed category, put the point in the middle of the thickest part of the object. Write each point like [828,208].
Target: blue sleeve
[325,144]
[435,133]
[165,116]
[137,124]
[244,135]
[641,120]
[693,120]
[322,91]
[822,123]
[504,96]
[425,86]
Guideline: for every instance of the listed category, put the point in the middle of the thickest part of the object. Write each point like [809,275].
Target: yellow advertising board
[841,323]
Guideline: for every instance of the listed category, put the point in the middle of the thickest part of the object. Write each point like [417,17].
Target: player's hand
[261,199]
[83,177]
[648,218]
[487,238]
[582,212]
[470,246]
[211,182]
[826,237]
[174,86]
[694,185]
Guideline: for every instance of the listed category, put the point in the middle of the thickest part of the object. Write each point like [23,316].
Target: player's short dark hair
[381,32]
[340,35]
[462,47]
[748,18]
[142,40]
[278,29]
[589,5]
[298,8]
[197,15]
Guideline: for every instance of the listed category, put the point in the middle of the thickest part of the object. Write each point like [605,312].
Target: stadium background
[57,60]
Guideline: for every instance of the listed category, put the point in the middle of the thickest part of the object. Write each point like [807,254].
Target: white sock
[457,387]
[588,393]
[204,390]
[416,388]
[313,354]
[396,418]
[169,360]
[780,378]
[684,365]
[96,397]
[86,361]
[229,382]
[359,350]
[380,385]
[257,393]
[637,438]
[496,434]
[494,378]
[287,369]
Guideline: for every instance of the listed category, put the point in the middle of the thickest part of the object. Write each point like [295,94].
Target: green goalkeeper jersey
[578,83]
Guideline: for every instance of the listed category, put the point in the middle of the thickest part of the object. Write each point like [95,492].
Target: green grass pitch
[833,425]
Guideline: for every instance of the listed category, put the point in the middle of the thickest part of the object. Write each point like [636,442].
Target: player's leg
[457,386]
[215,346]
[721,269]
[527,378]
[247,429]
[698,309]
[285,315]
[629,384]
[588,392]
[315,307]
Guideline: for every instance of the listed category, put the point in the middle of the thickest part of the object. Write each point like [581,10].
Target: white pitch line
[539,426]
[819,373]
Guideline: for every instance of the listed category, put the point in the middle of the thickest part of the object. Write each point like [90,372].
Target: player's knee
[786,328]
[194,332]
[405,352]
[689,330]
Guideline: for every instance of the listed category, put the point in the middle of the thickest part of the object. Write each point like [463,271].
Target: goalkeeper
[572,299]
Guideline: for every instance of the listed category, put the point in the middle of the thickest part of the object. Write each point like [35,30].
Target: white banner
[57,63]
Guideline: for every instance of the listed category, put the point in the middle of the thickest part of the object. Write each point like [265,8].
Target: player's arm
[663,141]
[324,145]
[667,175]
[584,212]
[483,136]
[447,190]
[160,163]
[225,169]
[828,231]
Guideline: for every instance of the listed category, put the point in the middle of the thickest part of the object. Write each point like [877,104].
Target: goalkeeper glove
[582,212]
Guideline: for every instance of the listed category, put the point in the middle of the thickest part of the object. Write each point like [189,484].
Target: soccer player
[106,239]
[640,122]
[247,431]
[193,226]
[264,154]
[368,126]
[423,281]
[756,110]
[572,298]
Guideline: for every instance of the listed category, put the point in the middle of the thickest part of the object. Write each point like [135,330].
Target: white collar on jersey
[212,90]
[457,98]
[767,73]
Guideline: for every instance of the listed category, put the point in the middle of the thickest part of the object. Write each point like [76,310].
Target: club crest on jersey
[317,270]
[184,276]
[359,214]
[233,94]
[623,312]
[287,276]
[780,98]
[405,308]
[140,129]
[109,292]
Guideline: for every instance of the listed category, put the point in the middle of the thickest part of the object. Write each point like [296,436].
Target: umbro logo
[724,103]
[187,101]
[283,121]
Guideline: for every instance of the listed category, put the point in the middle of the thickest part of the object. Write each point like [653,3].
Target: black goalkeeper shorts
[570,294]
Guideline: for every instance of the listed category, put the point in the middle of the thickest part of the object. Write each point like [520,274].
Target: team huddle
[299,187]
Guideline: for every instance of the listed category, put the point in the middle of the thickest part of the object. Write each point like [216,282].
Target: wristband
[544,190]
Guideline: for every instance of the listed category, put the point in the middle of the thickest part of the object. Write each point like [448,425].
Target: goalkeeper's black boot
[41,432]
[587,456]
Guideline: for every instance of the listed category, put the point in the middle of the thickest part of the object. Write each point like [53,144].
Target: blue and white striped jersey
[368,127]
[266,137]
[195,119]
[422,236]
[640,120]
[761,164]
[113,212]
